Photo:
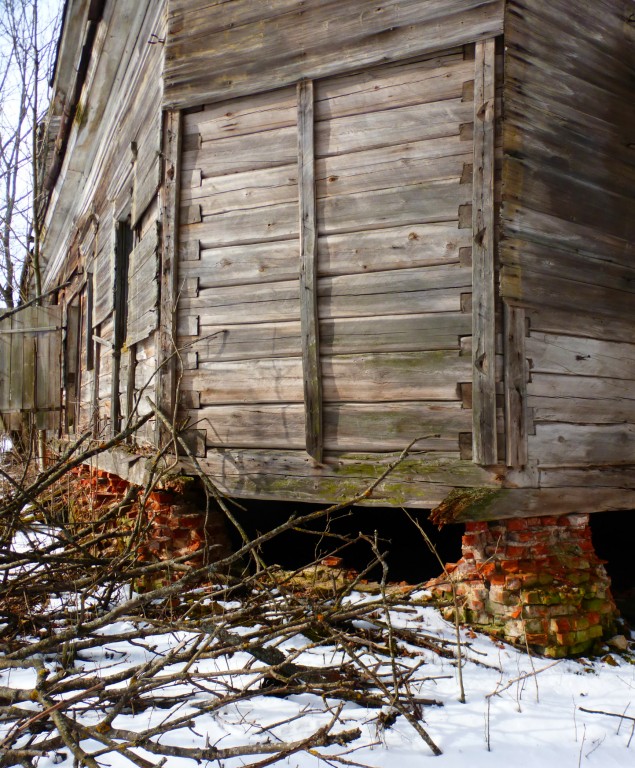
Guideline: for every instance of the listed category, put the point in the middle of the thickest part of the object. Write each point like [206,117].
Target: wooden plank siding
[568,233]
[30,365]
[484,439]
[386,248]
[217,50]
[115,149]
[361,225]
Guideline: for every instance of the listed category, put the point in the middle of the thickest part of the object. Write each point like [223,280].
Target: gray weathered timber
[242,190]
[30,354]
[507,503]
[419,481]
[583,444]
[579,356]
[339,336]
[581,410]
[516,375]
[167,335]
[143,287]
[372,378]
[483,306]
[309,328]
[241,48]
[347,426]
[431,79]
[433,201]
[571,103]
[450,182]
[591,477]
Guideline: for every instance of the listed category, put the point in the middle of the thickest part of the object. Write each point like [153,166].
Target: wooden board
[417,482]
[583,444]
[166,338]
[143,288]
[435,78]
[568,213]
[404,291]
[237,154]
[261,112]
[257,225]
[579,322]
[391,127]
[376,250]
[242,190]
[30,359]
[379,378]
[409,333]
[104,269]
[433,201]
[483,267]
[577,356]
[213,51]
[516,376]
[418,245]
[309,327]
[593,387]
[347,427]
[376,169]
[582,410]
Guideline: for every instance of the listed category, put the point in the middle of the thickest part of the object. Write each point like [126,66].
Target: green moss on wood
[465,504]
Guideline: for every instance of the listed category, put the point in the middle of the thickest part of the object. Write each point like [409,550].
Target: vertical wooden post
[483,299]
[515,388]
[170,200]
[308,274]
[96,373]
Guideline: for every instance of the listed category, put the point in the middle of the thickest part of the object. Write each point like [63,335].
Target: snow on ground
[520,711]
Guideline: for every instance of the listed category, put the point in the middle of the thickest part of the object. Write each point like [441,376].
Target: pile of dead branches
[90,668]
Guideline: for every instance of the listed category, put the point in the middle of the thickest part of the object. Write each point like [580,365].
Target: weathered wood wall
[217,49]
[392,169]
[30,356]
[568,232]
[117,139]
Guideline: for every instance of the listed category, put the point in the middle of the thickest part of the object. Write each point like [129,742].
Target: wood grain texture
[420,481]
[167,333]
[509,503]
[371,378]
[242,47]
[347,427]
[516,375]
[378,334]
[30,358]
[143,287]
[578,356]
[483,268]
[568,180]
[309,327]
[583,444]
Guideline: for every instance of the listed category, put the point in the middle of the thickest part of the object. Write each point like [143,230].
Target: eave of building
[93,121]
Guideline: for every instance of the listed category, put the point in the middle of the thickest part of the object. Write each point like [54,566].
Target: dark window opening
[125,243]
[90,343]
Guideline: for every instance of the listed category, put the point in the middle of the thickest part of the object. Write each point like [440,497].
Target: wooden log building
[325,229]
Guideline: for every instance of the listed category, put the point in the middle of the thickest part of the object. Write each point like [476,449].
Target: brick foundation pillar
[175,522]
[532,580]
[178,525]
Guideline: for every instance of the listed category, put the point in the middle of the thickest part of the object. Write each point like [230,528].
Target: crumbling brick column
[174,520]
[534,581]
[179,525]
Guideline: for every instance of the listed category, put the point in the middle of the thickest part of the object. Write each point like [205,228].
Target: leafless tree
[26,53]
